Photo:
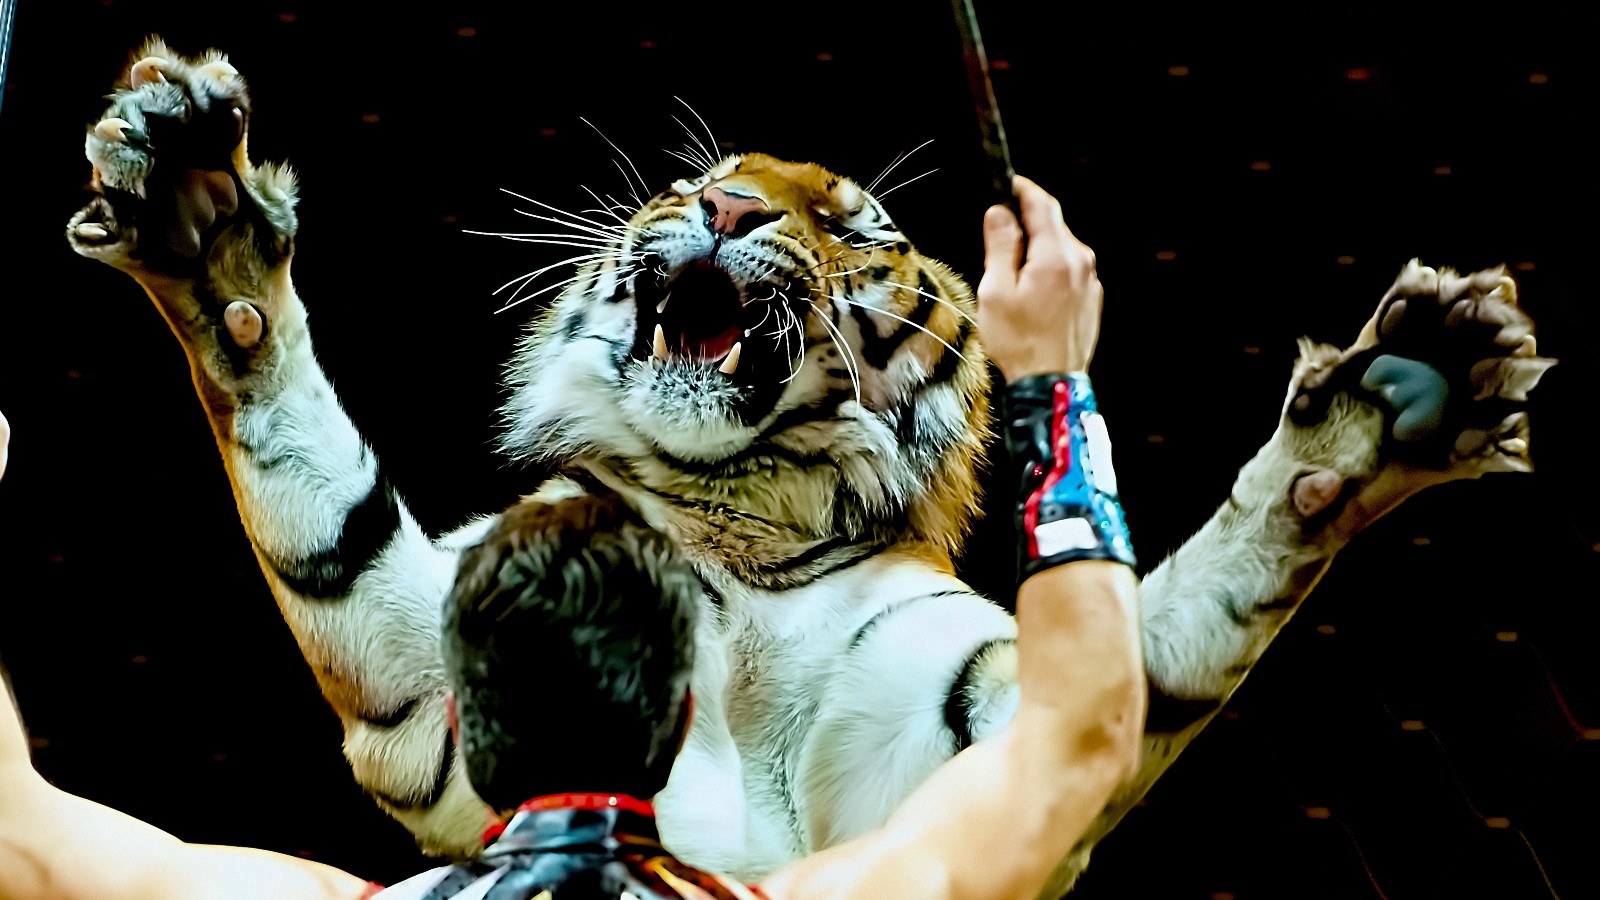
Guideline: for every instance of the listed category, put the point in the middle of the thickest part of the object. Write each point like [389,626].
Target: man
[568,640]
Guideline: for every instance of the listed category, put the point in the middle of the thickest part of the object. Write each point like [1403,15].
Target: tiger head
[762,337]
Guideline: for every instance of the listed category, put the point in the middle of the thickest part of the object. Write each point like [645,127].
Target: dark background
[1428,726]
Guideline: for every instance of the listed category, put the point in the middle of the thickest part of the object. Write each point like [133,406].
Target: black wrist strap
[1067,503]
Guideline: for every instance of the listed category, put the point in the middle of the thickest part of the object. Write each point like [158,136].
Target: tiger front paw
[177,203]
[1449,360]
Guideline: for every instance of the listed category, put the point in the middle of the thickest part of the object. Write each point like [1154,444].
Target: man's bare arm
[58,846]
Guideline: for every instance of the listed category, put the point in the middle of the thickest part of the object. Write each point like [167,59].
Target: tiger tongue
[712,348]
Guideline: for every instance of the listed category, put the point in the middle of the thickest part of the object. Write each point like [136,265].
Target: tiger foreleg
[209,236]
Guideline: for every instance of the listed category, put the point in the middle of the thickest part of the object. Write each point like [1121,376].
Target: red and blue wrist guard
[1067,507]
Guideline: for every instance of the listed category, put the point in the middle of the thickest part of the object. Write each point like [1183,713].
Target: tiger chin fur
[821,488]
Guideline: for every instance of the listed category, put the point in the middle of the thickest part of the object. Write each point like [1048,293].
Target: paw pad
[1453,362]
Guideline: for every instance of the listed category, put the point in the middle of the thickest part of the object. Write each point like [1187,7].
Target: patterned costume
[572,847]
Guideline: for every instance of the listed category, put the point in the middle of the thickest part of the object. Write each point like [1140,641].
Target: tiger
[764,366]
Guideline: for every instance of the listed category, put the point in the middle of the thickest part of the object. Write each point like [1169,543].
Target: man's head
[568,640]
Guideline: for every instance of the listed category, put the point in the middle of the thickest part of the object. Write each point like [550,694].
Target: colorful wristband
[1067,506]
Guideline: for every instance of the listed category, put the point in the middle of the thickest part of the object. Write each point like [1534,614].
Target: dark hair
[568,640]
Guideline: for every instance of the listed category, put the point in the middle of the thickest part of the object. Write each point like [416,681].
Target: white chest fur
[767,663]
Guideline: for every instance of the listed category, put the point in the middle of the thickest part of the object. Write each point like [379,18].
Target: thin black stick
[991,132]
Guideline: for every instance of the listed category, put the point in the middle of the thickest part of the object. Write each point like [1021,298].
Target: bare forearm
[1078,626]
[57,846]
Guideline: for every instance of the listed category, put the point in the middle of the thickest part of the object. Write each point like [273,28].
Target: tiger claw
[113,129]
[218,71]
[147,71]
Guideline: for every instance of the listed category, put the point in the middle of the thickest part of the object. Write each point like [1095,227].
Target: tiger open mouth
[698,315]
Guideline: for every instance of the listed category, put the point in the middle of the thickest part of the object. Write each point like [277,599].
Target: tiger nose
[731,215]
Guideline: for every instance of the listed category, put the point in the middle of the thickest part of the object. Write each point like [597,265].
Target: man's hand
[1040,313]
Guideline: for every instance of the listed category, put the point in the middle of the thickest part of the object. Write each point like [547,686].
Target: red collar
[573,801]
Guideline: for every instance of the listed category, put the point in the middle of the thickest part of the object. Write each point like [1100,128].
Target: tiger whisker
[625,156]
[694,153]
[844,348]
[587,257]
[845,240]
[623,206]
[519,281]
[566,241]
[564,283]
[794,322]
[596,209]
[516,297]
[715,144]
[861,268]
[577,236]
[631,192]
[612,209]
[581,222]
[871,248]
[602,231]
[686,158]
[904,183]
[780,332]
[895,162]
[825,261]
[872,252]
[524,279]
[958,310]
[899,318]
[764,317]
